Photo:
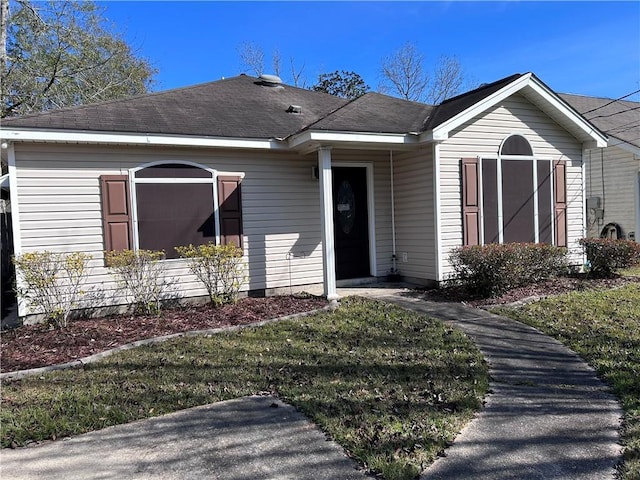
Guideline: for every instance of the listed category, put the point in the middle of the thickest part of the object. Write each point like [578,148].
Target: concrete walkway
[547,417]
[257,438]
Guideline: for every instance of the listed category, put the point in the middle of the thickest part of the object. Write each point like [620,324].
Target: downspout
[436,212]
[394,257]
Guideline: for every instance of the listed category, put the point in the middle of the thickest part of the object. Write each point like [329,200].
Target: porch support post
[326,212]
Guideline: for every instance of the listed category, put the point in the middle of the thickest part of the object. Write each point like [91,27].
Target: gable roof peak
[487,86]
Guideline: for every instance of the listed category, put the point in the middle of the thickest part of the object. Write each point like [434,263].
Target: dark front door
[351,222]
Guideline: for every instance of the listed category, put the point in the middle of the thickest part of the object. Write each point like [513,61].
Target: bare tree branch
[251,58]
[404,74]
[296,75]
[447,79]
[276,60]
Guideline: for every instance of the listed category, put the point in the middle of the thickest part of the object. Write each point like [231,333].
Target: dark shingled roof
[619,119]
[246,107]
[241,107]
[455,105]
[376,113]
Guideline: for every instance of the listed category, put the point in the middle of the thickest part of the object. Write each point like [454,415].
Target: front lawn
[603,327]
[391,386]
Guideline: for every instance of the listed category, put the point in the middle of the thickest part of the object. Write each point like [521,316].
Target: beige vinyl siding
[60,209]
[414,214]
[481,137]
[618,195]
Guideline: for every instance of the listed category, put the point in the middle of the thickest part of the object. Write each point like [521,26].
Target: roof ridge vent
[270,80]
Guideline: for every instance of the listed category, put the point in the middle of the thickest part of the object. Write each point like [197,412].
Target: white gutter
[64,136]
[437,212]
[326,137]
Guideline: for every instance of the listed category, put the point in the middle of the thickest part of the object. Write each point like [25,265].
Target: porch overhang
[311,140]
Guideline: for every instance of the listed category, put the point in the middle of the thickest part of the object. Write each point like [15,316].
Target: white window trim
[536,213]
[133,181]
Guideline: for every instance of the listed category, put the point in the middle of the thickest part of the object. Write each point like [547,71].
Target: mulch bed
[39,345]
[554,286]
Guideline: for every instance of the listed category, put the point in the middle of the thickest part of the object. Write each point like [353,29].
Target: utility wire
[612,101]
[617,132]
[624,125]
[615,113]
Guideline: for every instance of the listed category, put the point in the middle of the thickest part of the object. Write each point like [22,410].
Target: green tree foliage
[341,84]
[63,53]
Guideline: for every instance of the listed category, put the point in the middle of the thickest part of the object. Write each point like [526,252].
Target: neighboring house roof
[250,112]
[616,118]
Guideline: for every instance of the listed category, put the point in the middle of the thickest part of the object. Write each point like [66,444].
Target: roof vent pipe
[270,80]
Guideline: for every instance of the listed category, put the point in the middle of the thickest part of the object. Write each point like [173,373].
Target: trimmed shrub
[606,256]
[488,270]
[219,267]
[142,275]
[51,282]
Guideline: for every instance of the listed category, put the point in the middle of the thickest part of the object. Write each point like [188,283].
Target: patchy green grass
[603,327]
[391,386]
[631,271]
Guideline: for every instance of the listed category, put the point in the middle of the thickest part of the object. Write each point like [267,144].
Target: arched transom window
[520,196]
[180,204]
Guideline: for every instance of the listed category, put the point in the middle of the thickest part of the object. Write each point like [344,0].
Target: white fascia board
[328,137]
[66,136]
[441,132]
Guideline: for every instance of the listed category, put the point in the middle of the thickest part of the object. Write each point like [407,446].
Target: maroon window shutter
[230,210]
[560,202]
[116,212]
[470,202]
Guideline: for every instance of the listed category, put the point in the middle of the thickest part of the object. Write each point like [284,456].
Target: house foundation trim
[326,212]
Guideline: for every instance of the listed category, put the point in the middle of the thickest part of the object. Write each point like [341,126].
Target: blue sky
[590,48]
